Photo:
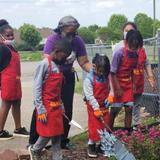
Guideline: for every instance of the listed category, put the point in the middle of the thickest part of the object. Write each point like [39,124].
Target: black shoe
[21,132]
[92,151]
[28,145]
[67,146]
[5,135]
[48,147]
[34,155]
[100,151]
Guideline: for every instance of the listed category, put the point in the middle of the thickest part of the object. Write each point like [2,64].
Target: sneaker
[34,155]
[100,151]
[5,135]
[28,145]
[48,147]
[92,151]
[67,146]
[21,132]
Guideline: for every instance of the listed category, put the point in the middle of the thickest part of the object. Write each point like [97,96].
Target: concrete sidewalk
[79,110]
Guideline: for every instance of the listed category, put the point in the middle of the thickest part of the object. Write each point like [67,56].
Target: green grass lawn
[36,56]
[31,56]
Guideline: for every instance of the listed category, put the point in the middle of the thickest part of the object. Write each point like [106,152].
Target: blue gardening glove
[108,101]
[106,104]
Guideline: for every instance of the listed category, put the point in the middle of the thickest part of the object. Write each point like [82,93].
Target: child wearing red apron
[96,90]
[140,85]
[123,63]
[47,100]
[11,93]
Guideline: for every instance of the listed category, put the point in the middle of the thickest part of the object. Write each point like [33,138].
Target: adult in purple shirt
[67,27]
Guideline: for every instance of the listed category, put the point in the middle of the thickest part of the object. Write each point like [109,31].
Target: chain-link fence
[152,46]
[151,98]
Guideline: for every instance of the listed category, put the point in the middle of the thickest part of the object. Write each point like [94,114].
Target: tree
[157,24]
[87,35]
[30,35]
[116,23]
[144,25]
[93,27]
[106,34]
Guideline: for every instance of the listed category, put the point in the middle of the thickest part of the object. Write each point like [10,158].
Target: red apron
[139,72]
[51,97]
[100,91]
[124,77]
[10,78]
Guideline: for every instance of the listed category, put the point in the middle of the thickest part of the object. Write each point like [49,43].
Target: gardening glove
[108,101]
[42,117]
[106,104]
[98,113]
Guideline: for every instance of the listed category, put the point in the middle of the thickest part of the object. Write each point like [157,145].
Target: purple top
[78,47]
[117,57]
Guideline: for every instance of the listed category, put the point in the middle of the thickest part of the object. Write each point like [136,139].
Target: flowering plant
[144,142]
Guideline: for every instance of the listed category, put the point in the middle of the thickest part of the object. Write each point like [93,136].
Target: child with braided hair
[96,91]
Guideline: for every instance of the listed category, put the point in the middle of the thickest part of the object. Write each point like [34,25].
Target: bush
[144,143]
[22,47]
[25,47]
[40,47]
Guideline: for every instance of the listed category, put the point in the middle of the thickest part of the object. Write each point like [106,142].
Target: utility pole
[154,16]
[154,28]
[158,43]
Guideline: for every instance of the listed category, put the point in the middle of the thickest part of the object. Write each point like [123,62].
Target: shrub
[144,143]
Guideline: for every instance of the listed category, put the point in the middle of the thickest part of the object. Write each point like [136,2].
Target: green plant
[80,139]
[144,143]
[30,35]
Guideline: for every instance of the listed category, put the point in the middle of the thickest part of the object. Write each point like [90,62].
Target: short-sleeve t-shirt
[117,58]
[78,47]
[121,44]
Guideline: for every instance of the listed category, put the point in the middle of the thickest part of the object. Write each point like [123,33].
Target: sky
[46,13]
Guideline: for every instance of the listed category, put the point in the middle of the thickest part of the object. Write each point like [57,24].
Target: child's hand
[152,82]
[42,117]
[108,101]
[98,113]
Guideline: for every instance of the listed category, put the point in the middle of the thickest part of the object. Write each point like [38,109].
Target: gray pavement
[79,111]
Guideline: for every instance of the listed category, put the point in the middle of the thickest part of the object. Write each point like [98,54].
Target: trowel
[73,122]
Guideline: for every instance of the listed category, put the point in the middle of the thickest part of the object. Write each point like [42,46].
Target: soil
[80,154]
